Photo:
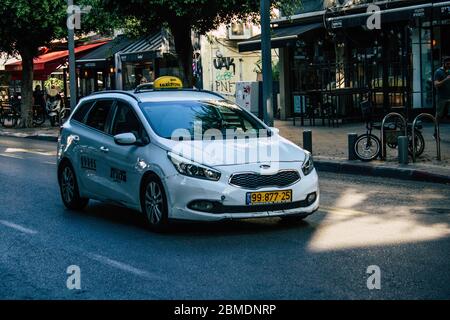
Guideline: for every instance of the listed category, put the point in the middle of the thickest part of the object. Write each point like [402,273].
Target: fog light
[201,205]
[311,198]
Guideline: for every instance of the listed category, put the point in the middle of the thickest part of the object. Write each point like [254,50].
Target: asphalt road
[402,227]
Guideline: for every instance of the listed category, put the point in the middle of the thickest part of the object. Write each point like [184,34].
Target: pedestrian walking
[442,85]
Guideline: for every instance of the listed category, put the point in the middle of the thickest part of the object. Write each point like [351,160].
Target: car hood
[237,152]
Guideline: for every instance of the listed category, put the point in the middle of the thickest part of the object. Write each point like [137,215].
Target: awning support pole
[72,73]
[266,62]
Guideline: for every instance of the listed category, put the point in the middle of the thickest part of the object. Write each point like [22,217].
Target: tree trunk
[184,50]
[27,88]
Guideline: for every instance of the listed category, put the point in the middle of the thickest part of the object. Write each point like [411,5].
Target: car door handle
[104,149]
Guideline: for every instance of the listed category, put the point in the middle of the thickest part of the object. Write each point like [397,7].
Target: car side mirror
[125,139]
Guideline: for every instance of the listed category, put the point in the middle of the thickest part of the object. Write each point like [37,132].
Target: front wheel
[38,118]
[69,188]
[154,203]
[367,147]
[53,121]
[420,143]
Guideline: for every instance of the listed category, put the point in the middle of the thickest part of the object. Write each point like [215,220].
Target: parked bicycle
[367,146]
[10,115]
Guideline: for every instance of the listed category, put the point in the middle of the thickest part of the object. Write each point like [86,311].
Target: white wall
[218,53]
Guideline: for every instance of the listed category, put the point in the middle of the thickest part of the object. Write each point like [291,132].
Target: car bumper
[184,190]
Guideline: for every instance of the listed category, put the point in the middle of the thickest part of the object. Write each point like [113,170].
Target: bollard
[351,146]
[307,140]
[403,150]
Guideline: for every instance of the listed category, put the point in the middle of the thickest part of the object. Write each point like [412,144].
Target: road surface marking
[37,151]
[124,267]
[342,211]
[17,227]
[11,156]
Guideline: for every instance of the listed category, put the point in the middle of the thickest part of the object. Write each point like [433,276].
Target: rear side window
[98,116]
[82,110]
[126,121]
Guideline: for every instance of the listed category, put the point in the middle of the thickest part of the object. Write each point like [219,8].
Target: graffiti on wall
[225,74]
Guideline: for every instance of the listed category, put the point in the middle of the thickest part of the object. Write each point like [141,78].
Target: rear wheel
[9,121]
[38,117]
[367,147]
[154,203]
[69,188]
[420,143]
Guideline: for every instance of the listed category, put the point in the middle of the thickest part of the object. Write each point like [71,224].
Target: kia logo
[265,166]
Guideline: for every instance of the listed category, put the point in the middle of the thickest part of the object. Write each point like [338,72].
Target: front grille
[255,181]
[219,208]
[261,207]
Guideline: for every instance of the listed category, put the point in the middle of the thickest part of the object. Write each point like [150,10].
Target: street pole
[266,62]
[72,74]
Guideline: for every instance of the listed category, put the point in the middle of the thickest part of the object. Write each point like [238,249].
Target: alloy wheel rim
[153,203]
[368,148]
[68,184]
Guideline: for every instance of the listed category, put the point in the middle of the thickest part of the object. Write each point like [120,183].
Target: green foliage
[200,15]
[275,69]
[53,82]
[27,25]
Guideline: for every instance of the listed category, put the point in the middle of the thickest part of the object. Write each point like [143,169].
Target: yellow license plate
[267,197]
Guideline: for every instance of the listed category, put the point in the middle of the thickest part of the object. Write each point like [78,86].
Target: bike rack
[383,140]
[438,137]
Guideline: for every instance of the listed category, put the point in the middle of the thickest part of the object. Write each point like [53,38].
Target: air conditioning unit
[239,31]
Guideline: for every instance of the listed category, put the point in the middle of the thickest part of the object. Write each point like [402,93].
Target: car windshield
[193,117]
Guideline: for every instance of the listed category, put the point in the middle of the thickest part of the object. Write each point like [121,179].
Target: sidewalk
[44,132]
[330,151]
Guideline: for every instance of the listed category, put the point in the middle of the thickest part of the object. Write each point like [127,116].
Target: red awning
[47,63]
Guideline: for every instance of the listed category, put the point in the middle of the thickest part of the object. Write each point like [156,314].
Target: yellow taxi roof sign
[168,82]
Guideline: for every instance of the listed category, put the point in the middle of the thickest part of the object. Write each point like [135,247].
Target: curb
[379,171]
[347,167]
[41,137]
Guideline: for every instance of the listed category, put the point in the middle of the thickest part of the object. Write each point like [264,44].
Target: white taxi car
[180,154]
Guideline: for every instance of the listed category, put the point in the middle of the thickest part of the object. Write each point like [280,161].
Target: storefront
[147,59]
[49,64]
[96,70]
[331,60]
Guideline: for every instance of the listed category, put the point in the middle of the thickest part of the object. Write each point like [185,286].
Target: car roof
[154,95]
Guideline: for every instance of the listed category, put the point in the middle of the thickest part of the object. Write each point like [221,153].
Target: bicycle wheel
[367,147]
[38,118]
[9,121]
[420,143]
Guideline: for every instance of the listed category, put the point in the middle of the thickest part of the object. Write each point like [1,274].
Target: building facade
[334,54]
[222,63]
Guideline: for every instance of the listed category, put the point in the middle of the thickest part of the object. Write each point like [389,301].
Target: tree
[184,16]
[27,25]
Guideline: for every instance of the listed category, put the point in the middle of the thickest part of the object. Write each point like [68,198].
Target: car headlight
[308,164]
[191,169]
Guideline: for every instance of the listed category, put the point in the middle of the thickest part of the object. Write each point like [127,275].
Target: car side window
[82,110]
[98,116]
[126,121]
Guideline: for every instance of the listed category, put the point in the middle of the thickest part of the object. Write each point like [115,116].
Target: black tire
[39,119]
[154,203]
[367,147]
[68,185]
[9,121]
[53,121]
[420,143]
